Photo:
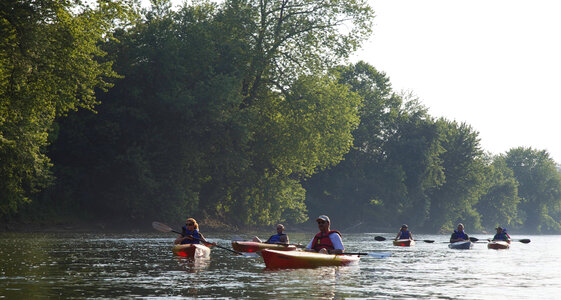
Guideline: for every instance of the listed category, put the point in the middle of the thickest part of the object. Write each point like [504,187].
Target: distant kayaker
[190,233]
[501,235]
[459,235]
[279,238]
[404,234]
[327,240]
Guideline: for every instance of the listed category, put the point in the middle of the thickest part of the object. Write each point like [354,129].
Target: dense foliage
[238,113]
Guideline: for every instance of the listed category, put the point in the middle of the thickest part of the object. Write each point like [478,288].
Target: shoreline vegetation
[242,115]
[110,227]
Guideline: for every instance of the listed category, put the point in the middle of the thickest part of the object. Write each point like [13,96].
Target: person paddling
[279,238]
[190,233]
[404,234]
[459,235]
[327,240]
[501,235]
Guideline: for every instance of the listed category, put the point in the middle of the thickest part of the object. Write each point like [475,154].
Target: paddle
[164,228]
[524,241]
[381,238]
[371,254]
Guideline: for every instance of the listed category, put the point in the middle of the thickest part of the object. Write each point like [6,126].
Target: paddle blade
[428,241]
[379,238]
[161,227]
[525,241]
[379,254]
[473,239]
[249,254]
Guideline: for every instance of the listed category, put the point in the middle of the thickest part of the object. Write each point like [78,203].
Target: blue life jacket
[460,235]
[195,234]
[404,235]
[276,238]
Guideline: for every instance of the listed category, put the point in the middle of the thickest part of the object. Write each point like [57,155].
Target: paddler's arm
[337,244]
[284,239]
[203,239]
[179,240]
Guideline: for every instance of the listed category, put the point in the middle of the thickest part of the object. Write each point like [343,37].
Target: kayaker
[327,240]
[404,234]
[501,235]
[459,235]
[279,238]
[190,233]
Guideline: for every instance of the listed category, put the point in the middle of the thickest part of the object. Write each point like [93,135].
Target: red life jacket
[323,241]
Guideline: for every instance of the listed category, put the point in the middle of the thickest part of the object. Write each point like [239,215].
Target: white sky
[495,65]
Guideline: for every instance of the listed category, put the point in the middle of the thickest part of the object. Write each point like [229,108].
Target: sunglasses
[190,224]
[321,222]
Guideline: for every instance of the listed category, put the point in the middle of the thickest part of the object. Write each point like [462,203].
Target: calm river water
[126,266]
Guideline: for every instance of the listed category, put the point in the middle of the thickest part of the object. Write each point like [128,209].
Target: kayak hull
[463,245]
[191,250]
[257,247]
[497,245]
[404,243]
[301,259]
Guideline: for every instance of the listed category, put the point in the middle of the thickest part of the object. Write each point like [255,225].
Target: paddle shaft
[215,245]
[164,228]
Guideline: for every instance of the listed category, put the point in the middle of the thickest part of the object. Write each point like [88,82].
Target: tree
[176,136]
[51,65]
[539,188]
[498,206]
[463,169]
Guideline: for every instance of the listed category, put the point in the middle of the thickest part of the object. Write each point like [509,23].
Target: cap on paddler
[324,218]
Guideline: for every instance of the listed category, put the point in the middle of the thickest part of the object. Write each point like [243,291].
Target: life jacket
[460,235]
[404,235]
[503,236]
[322,241]
[195,234]
[275,238]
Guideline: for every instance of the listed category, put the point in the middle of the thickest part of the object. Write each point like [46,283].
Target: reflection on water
[78,266]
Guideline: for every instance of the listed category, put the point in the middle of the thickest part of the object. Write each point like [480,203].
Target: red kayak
[404,243]
[191,250]
[301,259]
[497,245]
[257,247]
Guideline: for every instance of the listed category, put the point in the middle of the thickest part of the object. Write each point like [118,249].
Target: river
[141,266]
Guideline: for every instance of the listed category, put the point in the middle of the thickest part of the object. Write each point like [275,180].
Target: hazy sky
[495,65]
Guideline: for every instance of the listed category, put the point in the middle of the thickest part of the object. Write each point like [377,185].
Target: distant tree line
[237,113]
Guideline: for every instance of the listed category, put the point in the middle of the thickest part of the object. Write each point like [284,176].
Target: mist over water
[77,266]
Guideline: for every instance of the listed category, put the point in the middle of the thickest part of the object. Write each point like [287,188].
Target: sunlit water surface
[125,266]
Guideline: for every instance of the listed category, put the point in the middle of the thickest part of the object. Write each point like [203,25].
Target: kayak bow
[191,250]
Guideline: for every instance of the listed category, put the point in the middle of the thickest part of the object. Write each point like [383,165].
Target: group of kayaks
[278,256]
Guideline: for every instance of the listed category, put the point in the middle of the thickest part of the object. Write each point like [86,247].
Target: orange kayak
[301,259]
[191,250]
[256,247]
[404,243]
[498,245]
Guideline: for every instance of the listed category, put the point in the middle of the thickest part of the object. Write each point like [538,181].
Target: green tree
[177,135]
[539,188]
[50,65]
[463,171]
[498,206]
